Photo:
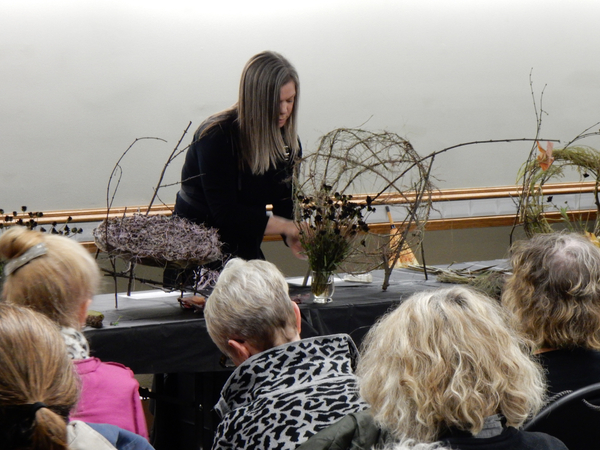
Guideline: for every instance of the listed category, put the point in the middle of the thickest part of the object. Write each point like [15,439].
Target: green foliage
[534,204]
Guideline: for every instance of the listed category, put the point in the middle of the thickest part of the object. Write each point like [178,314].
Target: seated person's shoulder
[354,431]
[94,365]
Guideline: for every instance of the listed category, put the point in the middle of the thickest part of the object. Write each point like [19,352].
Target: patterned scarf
[77,344]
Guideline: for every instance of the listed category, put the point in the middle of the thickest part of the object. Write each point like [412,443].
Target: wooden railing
[447,195]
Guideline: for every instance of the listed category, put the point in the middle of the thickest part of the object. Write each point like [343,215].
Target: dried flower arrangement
[348,161]
[545,164]
[29,219]
[351,161]
[549,166]
[332,223]
[542,166]
[23,218]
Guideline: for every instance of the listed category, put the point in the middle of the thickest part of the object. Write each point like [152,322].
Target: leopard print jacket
[279,398]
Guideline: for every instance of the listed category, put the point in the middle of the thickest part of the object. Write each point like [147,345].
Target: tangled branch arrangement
[155,239]
[534,204]
[158,240]
[349,161]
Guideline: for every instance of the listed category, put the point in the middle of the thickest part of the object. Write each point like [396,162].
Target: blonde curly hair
[447,358]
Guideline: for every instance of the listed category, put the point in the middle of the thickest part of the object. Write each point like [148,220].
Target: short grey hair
[250,302]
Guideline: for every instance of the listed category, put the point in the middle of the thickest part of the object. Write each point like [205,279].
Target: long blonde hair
[447,358]
[263,143]
[55,283]
[35,372]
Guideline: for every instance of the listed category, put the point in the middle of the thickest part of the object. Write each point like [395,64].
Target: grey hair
[250,302]
[447,358]
[554,290]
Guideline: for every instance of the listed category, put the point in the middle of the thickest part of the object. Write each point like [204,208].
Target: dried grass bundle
[487,280]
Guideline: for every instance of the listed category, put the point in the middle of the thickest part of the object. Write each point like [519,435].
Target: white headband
[16,263]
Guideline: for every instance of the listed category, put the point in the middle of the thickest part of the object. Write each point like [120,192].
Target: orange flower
[545,158]
[592,237]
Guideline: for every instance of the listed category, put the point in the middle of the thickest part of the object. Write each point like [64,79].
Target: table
[151,333]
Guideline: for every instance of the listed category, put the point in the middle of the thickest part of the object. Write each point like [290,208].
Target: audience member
[285,388]
[56,276]
[554,294]
[444,368]
[38,389]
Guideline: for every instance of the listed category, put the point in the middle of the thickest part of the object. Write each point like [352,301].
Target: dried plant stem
[176,152]
[118,169]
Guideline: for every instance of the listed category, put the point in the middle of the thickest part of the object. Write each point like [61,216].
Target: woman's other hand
[290,232]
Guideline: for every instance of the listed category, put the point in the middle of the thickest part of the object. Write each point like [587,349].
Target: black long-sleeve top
[216,193]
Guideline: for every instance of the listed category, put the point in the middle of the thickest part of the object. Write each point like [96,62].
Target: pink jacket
[109,394]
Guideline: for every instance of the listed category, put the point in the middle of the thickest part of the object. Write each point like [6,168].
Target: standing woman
[243,159]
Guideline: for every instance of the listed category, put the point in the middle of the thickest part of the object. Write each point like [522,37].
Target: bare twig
[117,167]
[531,206]
[176,152]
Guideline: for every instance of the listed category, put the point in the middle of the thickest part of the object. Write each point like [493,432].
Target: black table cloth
[153,334]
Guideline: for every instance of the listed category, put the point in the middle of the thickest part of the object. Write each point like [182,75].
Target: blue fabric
[120,438]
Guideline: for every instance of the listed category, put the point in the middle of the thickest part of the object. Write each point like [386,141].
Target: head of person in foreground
[250,311]
[38,386]
[554,290]
[447,359]
[51,274]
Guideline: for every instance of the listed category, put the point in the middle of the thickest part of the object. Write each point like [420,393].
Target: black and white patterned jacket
[279,398]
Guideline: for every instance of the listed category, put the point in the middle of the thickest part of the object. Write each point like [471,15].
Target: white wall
[80,80]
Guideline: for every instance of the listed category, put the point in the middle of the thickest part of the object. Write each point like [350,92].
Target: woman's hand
[293,242]
[290,232]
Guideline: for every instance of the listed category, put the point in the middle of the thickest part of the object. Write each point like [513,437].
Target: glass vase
[322,287]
